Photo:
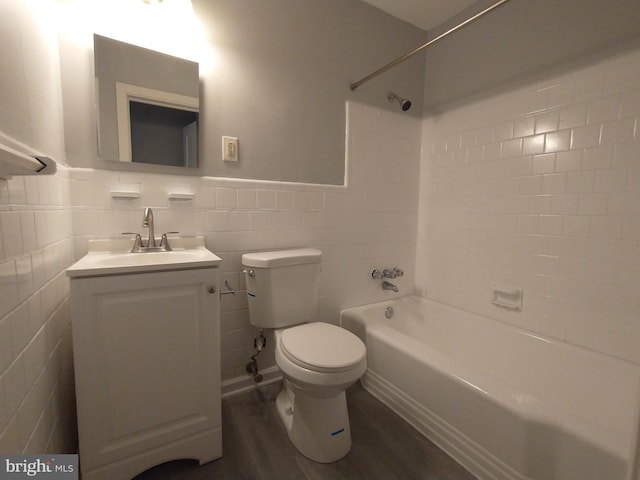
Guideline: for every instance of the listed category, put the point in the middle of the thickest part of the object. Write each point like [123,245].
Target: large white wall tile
[550,206]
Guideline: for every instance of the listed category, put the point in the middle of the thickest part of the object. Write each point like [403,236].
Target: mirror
[147,105]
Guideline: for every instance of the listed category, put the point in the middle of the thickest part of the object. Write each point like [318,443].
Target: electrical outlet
[230,149]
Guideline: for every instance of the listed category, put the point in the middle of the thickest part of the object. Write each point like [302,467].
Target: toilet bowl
[319,361]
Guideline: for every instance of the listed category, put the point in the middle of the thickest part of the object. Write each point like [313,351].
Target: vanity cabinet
[147,365]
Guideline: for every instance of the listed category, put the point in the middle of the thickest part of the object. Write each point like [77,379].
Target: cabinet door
[147,358]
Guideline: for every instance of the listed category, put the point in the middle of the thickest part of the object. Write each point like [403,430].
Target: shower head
[404,103]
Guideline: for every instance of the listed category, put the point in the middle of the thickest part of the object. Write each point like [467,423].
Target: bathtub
[503,402]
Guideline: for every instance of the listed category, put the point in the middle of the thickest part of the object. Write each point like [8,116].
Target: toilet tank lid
[281,258]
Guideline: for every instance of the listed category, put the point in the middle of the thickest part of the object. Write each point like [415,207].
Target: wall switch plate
[230,149]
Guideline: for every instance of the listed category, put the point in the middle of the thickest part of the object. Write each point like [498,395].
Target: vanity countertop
[114,257]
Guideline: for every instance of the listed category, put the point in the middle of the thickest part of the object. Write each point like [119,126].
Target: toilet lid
[322,347]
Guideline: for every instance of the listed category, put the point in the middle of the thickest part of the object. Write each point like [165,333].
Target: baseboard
[244,383]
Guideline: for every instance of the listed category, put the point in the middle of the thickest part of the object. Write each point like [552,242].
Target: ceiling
[425,14]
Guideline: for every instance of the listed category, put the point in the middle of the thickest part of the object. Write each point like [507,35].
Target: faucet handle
[388,273]
[398,272]
[137,243]
[164,241]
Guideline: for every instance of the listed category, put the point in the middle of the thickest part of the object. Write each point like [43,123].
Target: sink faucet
[147,221]
[389,286]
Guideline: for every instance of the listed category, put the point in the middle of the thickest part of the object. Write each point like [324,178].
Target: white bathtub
[504,403]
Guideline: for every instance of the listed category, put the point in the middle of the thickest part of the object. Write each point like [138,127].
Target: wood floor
[256,447]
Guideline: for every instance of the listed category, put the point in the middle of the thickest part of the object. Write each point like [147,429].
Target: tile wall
[539,188]
[371,223]
[37,403]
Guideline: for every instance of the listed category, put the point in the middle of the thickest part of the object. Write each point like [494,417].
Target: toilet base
[318,427]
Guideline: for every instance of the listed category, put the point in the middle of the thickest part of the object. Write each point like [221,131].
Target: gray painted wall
[523,41]
[280,83]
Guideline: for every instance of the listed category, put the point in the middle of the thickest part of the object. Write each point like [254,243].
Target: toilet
[318,360]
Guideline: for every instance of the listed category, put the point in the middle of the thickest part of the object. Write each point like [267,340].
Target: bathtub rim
[481,464]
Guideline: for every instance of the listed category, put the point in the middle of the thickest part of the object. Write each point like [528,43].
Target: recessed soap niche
[507,296]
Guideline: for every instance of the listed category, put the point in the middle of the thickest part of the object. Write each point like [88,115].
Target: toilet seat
[322,347]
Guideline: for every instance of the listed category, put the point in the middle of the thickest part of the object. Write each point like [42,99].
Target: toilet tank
[282,286]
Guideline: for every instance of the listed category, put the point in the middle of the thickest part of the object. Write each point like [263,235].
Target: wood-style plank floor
[256,446]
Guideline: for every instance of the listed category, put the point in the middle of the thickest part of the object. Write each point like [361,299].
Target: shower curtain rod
[406,56]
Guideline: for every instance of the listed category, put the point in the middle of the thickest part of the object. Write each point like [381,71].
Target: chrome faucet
[147,221]
[151,246]
[389,286]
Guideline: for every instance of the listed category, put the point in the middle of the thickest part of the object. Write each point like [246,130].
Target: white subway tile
[484,135]
[547,122]
[284,200]
[606,226]
[11,234]
[226,198]
[626,154]
[564,204]
[8,288]
[592,203]
[14,382]
[544,163]
[266,199]
[538,244]
[529,184]
[533,145]
[511,148]
[630,104]
[247,199]
[557,141]
[300,200]
[503,131]
[24,276]
[554,183]
[523,127]
[28,228]
[603,109]
[631,227]
[611,180]
[277,220]
[259,220]
[239,220]
[568,161]
[17,191]
[599,157]
[6,346]
[540,204]
[31,190]
[618,131]
[624,203]
[550,224]
[586,136]
[218,221]
[581,181]
[573,116]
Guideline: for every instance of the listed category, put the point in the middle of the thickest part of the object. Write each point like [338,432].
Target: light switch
[230,149]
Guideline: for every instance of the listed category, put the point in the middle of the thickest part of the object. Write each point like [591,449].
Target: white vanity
[146,344]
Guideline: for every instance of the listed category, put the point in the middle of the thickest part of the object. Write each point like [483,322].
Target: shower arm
[406,56]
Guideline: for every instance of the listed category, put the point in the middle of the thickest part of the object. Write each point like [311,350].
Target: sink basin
[112,257]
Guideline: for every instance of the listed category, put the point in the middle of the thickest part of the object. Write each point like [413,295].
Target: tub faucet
[147,221]
[389,286]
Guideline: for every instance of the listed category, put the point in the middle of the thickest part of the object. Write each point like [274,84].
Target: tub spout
[389,286]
